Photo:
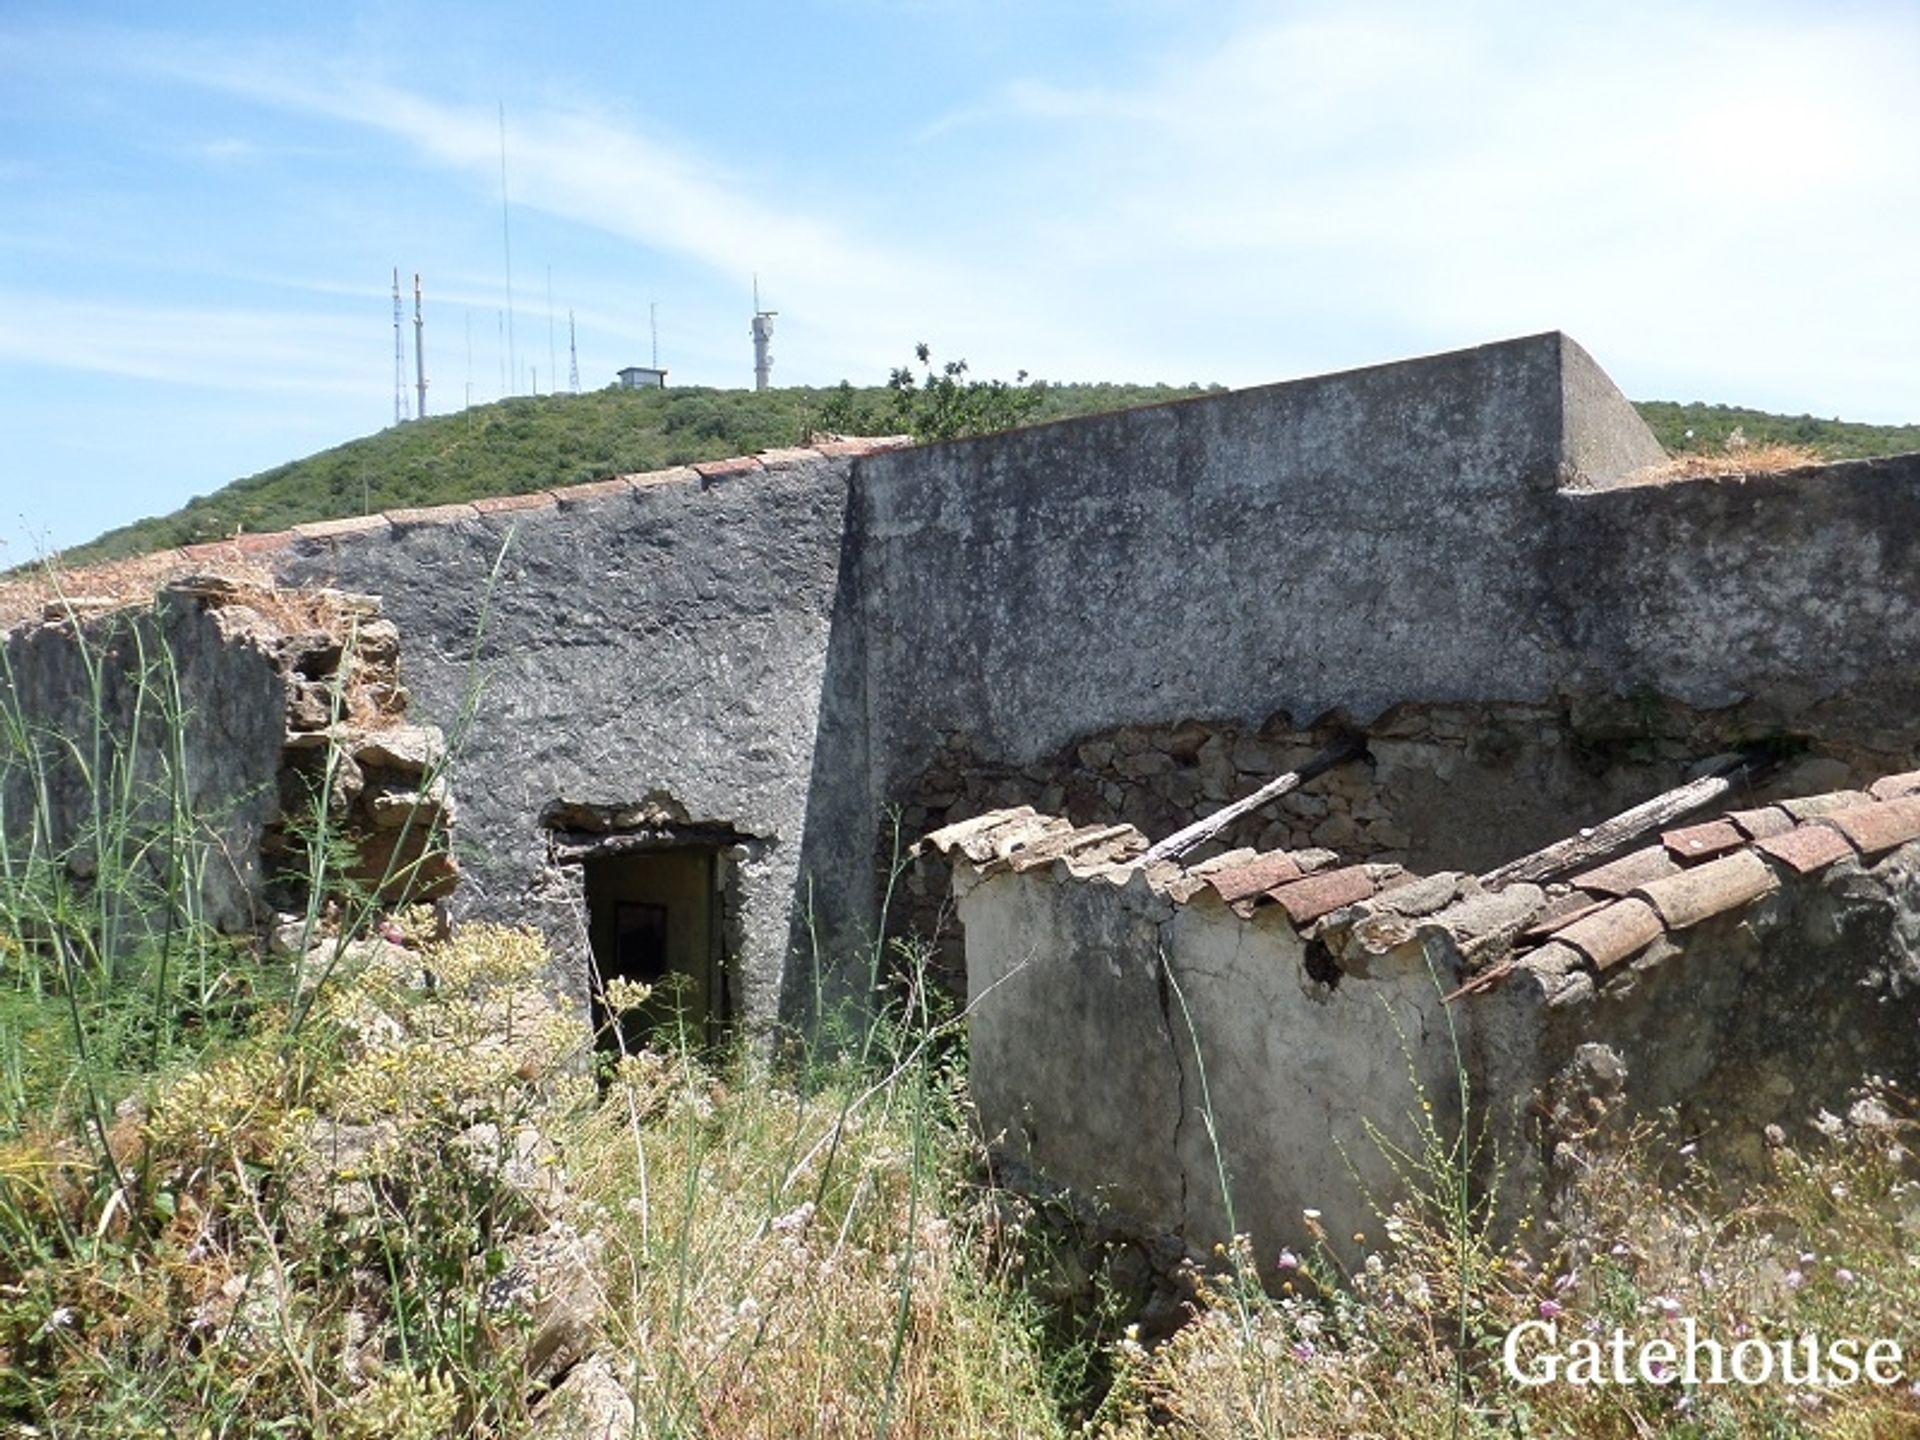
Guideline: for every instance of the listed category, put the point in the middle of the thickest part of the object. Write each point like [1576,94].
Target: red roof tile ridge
[243,545]
[1784,843]
[1688,876]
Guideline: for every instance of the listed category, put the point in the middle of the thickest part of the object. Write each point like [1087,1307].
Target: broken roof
[1593,921]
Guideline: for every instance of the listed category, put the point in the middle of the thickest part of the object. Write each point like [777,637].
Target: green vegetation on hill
[536,442]
[539,442]
[1701,429]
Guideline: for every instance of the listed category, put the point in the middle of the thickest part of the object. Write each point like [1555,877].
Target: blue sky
[204,204]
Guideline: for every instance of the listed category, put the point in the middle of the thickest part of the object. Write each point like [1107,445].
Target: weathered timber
[1597,842]
[1203,830]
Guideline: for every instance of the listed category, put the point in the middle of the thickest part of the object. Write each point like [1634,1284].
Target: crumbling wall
[1136,614]
[1301,1028]
[1451,530]
[1141,1050]
[199,732]
[1136,617]
[1766,1018]
[162,719]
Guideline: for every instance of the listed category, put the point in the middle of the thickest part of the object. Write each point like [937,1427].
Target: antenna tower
[399,357]
[653,323]
[762,341]
[419,348]
[553,365]
[506,245]
[573,357]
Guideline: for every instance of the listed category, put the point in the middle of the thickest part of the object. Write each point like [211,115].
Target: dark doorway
[653,917]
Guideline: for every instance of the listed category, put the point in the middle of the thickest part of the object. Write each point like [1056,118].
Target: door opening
[653,917]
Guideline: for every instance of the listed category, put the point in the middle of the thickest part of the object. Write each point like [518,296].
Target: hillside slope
[534,442]
[531,443]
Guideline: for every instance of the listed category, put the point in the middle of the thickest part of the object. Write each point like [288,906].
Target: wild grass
[374,1187]
[371,1223]
[1762,459]
[1409,1342]
[376,1214]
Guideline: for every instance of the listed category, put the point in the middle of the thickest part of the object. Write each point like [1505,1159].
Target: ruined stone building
[696,715]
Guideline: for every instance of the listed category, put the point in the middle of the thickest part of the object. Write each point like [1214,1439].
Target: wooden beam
[1597,842]
[1201,831]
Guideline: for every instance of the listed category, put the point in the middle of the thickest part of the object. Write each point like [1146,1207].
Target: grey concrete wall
[1348,541]
[657,647]
[1798,590]
[1445,530]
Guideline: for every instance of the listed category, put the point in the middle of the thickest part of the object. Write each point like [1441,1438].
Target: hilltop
[535,442]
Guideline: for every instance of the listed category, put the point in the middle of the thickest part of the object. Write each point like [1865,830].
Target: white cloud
[1712,197]
[1695,192]
[247,351]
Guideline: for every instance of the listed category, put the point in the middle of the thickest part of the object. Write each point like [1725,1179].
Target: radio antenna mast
[399,357]
[553,365]
[506,244]
[573,357]
[419,348]
[762,341]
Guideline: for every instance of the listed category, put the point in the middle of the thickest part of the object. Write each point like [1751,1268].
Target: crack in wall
[1164,983]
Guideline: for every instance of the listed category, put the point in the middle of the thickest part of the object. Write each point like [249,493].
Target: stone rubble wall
[239,701]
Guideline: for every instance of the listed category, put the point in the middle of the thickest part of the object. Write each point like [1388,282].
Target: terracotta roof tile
[1702,842]
[349,525]
[710,471]
[1806,848]
[1052,847]
[238,546]
[961,831]
[1619,877]
[1809,806]
[1003,842]
[977,843]
[1307,900]
[865,446]
[1251,877]
[1711,889]
[787,459]
[1560,914]
[1894,787]
[502,504]
[1613,933]
[570,496]
[1760,823]
[1225,860]
[650,479]
[1878,826]
[416,516]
